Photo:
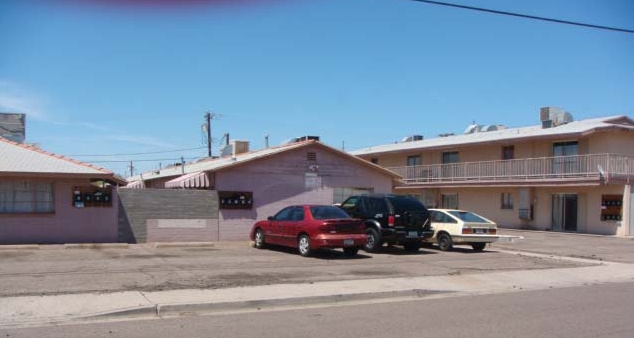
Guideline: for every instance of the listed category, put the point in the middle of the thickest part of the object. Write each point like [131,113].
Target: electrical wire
[129,154]
[146,160]
[525,16]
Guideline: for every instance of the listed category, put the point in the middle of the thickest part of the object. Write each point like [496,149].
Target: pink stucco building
[253,185]
[47,198]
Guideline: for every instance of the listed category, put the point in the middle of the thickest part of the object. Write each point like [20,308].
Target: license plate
[348,242]
[412,234]
[480,231]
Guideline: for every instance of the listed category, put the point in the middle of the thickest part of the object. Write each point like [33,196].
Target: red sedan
[310,227]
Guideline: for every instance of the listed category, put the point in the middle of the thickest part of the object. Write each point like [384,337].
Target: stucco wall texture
[279,181]
[66,225]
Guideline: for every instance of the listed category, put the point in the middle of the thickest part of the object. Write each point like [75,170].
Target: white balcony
[592,169]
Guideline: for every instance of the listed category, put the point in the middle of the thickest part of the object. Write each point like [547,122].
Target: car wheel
[259,239]
[303,245]
[411,247]
[350,252]
[374,240]
[478,246]
[444,242]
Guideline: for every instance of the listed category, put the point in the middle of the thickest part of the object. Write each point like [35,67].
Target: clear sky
[99,79]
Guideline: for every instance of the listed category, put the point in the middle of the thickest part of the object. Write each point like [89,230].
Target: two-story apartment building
[560,175]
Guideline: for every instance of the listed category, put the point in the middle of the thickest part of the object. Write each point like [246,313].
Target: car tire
[259,239]
[350,252]
[411,247]
[478,246]
[303,245]
[374,240]
[444,242]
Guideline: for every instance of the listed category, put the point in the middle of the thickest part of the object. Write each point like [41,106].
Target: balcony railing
[581,167]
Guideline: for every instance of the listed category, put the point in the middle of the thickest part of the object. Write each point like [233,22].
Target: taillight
[493,231]
[326,227]
[390,220]
[467,231]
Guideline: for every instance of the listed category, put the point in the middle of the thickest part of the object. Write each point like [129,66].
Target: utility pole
[131,169]
[208,117]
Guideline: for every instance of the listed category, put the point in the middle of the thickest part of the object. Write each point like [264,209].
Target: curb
[19,247]
[256,305]
[567,233]
[96,246]
[159,245]
[144,311]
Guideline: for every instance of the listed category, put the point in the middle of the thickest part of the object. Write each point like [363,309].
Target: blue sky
[102,79]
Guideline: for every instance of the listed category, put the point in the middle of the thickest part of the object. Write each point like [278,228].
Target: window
[565,161]
[450,157]
[311,156]
[413,161]
[507,200]
[339,194]
[26,197]
[285,214]
[450,201]
[508,152]
[374,160]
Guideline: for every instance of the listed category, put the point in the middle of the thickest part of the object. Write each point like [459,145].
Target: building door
[632,210]
[564,212]
[565,159]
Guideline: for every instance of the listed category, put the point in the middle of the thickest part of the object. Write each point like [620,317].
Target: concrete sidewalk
[74,308]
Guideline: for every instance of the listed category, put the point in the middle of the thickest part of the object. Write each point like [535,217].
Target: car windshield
[327,212]
[402,204]
[467,216]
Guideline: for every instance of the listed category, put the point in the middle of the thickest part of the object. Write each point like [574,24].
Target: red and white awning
[196,179]
[135,185]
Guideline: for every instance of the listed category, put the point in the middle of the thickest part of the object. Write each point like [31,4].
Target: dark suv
[392,219]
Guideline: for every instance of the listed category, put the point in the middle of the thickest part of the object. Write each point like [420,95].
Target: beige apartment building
[559,175]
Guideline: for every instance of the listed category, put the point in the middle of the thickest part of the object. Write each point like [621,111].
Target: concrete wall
[67,224]
[280,181]
[157,215]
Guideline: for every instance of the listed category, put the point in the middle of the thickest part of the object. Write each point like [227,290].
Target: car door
[275,232]
[293,226]
[440,221]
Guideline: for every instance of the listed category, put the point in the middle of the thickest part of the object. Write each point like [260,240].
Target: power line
[525,16]
[146,160]
[152,152]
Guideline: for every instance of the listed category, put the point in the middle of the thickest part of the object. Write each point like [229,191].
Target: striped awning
[196,179]
[134,185]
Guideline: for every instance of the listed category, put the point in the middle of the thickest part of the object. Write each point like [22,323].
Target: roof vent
[412,138]
[477,128]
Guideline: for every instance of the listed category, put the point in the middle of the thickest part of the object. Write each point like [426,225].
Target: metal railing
[526,169]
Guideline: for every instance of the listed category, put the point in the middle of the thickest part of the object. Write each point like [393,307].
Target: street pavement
[243,277]
[589,311]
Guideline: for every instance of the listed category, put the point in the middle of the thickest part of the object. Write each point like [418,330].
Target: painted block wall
[281,181]
[67,225]
[140,210]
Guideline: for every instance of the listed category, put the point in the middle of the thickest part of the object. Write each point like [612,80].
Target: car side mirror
[271,218]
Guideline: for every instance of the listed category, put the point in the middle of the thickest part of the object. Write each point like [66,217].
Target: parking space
[229,264]
[606,248]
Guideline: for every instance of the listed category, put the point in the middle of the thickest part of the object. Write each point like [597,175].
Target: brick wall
[167,215]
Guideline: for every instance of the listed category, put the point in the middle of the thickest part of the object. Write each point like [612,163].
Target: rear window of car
[467,216]
[402,204]
[327,212]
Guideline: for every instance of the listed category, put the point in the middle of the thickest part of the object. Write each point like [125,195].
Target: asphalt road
[230,264]
[590,311]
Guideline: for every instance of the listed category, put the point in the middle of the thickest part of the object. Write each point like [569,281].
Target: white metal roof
[575,127]
[226,162]
[21,158]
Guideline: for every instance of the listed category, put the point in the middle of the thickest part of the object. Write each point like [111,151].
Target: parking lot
[55,270]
